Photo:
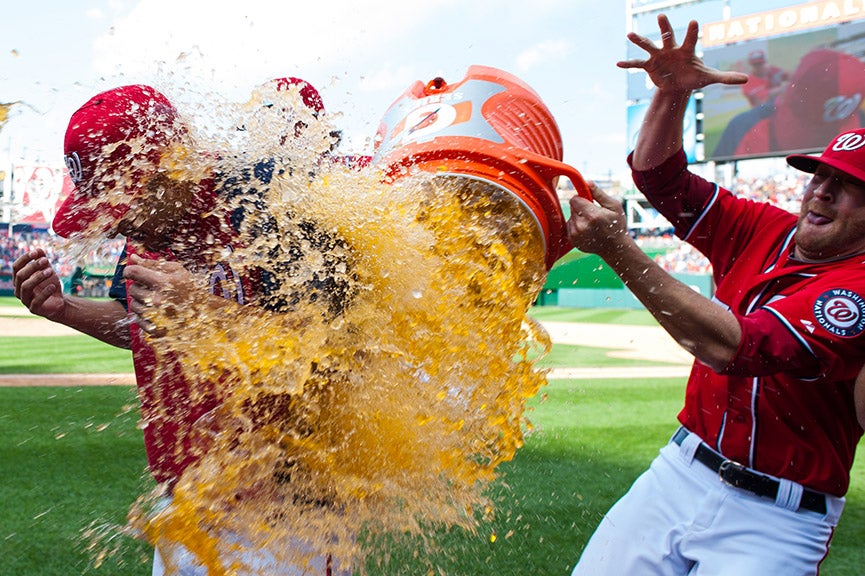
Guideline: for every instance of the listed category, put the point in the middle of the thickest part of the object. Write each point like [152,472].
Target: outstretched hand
[677,68]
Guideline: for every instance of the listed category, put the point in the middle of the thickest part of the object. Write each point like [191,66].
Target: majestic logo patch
[841,312]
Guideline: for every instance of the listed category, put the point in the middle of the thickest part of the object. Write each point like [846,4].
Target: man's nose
[826,190]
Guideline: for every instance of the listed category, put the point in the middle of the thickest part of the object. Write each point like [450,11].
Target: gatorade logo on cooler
[432,118]
[449,114]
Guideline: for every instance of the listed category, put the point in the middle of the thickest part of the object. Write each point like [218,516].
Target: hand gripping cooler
[489,126]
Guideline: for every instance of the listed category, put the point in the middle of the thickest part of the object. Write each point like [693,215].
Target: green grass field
[73,458]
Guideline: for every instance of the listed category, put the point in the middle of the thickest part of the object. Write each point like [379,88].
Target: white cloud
[388,79]
[549,51]
[247,42]
[361,55]
[617,137]
[199,51]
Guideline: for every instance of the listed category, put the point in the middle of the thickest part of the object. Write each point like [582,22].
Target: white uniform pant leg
[751,536]
[260,564]
[263,562]
[679,518]
[637,535]
[183,563]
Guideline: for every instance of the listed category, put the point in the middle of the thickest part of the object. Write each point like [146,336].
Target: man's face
[758,67]
[832,217]
[156,215]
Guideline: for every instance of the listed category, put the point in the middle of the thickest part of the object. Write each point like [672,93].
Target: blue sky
[361,54]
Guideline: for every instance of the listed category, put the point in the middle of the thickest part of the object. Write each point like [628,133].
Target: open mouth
[817,219]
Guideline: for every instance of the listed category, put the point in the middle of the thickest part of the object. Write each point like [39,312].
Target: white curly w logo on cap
[73,164]
[849,142]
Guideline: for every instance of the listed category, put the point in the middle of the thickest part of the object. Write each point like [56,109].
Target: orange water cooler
[489,126]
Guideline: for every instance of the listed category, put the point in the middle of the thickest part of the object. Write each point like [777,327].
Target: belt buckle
[726,471]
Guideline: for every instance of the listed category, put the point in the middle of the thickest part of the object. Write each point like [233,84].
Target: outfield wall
[576,281]
[614,296]
[580,280]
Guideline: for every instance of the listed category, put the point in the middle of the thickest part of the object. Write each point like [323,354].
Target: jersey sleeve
[815,332]
[710,218]
[769,345]
[678,194]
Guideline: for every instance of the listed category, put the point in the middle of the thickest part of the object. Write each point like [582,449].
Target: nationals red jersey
[784,405]
[207,247]
[169,405]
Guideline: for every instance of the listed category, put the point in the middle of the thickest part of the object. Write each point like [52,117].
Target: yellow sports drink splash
[380,399]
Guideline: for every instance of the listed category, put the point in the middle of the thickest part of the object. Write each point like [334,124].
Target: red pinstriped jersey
[169,406]
[784,405]
[209,250]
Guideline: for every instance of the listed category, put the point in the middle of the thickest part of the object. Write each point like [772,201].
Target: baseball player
[753,480]
[118,148]
[765,81]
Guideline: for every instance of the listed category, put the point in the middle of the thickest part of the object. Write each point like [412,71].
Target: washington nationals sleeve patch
[841,312]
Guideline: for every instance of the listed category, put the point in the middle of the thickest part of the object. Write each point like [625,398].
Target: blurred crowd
[783,190]
[97,260]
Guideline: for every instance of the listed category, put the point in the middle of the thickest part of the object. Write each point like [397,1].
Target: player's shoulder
[846,274]
[839,289]
[827,302]
[851,268]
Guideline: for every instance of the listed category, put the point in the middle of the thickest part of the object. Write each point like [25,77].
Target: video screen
[803,90]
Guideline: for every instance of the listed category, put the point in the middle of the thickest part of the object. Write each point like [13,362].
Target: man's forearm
[661,133]
[104,320]
[703,328]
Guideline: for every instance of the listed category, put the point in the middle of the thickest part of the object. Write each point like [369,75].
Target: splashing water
[380,393]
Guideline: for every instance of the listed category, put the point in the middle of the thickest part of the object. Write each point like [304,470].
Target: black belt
[742,477]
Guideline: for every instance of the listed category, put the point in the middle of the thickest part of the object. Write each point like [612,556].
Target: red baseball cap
[310,96]
[846,153]
[822,100]
[111,143]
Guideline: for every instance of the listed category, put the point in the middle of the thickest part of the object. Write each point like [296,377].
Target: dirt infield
[74,380]
[634,342]
[17,322]
[624,341]
[32,326]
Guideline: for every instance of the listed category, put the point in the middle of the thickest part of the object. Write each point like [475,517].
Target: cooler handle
[549,169]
